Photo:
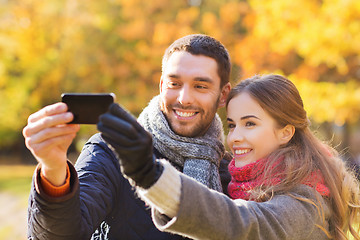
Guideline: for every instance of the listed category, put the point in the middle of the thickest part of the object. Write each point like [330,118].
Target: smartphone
[87,107]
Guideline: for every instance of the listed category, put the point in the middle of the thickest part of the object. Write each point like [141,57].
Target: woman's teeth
[241,151]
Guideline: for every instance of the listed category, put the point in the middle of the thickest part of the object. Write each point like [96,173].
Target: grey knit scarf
[199,157]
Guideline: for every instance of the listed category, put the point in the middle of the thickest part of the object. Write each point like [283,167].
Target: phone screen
[87,107]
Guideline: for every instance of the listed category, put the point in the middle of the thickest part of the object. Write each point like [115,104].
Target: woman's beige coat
[206,214]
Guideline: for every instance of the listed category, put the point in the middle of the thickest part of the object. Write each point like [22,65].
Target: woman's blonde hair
[303,155]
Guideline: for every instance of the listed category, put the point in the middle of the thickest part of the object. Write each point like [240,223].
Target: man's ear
[160,84]
[224,94]
[286,133]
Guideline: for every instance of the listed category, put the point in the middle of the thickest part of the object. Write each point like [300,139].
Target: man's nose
[185,96]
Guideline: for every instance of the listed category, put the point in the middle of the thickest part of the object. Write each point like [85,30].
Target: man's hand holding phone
[51,130]
[48,137]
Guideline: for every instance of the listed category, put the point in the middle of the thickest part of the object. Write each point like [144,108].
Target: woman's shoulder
[302,199]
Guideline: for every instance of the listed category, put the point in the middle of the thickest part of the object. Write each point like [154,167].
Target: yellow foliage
[2,75]
[131,8]
[209,23]
[187,16]
[134,30]
[49,47]
[230,14]
[326,101]
[320,32]
[163,33]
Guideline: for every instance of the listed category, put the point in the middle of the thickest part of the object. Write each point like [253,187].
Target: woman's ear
[286,133]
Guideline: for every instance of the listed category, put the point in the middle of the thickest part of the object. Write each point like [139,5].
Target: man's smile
[185,114]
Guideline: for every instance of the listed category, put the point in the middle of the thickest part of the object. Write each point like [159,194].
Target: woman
[293,155]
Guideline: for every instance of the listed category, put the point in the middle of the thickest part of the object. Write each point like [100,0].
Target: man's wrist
[148,175]
[56,191]
[55,176]
[164,194]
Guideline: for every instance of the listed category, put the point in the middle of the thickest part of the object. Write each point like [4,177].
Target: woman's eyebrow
[249,116]
[243,118]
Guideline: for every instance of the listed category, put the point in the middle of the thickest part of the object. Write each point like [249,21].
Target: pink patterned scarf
[246,178]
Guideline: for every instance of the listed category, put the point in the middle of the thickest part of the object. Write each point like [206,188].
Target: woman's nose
[236,135]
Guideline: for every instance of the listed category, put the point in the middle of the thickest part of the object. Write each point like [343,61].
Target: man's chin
[185,134]
[186,131]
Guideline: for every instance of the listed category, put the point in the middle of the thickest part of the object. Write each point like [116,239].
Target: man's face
[190,93]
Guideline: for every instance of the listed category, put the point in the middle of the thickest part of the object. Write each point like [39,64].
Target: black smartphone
[87,107]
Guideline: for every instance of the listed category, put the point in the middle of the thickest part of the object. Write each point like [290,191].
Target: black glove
[133,145]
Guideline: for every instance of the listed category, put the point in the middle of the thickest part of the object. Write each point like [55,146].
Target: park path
[13,215]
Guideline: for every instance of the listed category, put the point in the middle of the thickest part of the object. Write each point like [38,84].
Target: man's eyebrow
[197,79]
[173,75]
[204,79]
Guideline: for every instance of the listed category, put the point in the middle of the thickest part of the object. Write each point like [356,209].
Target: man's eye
[173,84]
[201,87]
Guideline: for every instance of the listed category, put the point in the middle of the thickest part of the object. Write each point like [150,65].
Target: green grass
[15,183]
[16,179]
[18,186]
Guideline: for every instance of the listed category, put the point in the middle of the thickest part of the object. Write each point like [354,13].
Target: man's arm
[48,216]
[93,185]
[73,214]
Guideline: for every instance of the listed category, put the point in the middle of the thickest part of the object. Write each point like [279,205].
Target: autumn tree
[50,47]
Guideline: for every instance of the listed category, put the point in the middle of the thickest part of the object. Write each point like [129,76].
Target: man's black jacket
[99,195]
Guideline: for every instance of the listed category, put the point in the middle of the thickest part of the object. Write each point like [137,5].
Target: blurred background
[48,47]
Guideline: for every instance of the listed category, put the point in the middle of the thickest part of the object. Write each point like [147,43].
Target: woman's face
[252,131]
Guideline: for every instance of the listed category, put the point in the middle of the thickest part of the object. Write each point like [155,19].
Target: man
[71,203]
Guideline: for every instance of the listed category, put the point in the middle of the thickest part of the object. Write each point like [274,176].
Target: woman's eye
[249,124]
[231,125]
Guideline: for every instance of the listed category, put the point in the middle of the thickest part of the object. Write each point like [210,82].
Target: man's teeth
[242,151]
[185,114]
